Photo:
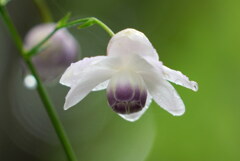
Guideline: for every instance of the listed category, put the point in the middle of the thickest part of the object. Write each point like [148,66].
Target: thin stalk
[17,39]
[44,10]
[93,21]
[85,22]
[52,114]
[105,27]
[40,88]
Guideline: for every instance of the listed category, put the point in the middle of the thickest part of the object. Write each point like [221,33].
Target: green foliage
[4,2]
[64,20]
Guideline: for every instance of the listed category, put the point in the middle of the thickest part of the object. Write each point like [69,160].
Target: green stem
[93,21]
[52,114]
[40,88]
[12,30]
[85,22]
[44,10]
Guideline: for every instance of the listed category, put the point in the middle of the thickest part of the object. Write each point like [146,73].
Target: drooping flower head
[132,74]
[57,54]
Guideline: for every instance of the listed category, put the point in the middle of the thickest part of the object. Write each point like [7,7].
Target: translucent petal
[172,75]
[72,74]
[164,94]
[137,64]
[101,86]
[88,81]
[76,70]
[135,116]
[179,78]
[130,41]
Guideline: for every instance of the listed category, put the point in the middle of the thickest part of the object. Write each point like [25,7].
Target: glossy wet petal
[101,86]
[172,75]
[164,94]
[178,78]
[75,70]
[130,41]
[88,81]
[94,71]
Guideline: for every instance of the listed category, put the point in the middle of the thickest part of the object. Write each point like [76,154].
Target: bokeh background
[201,38]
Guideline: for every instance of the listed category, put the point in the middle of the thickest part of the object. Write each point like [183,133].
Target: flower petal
[88,81]
[74,72]
[101,86]
[131,41]
[89,78]
[178,78]
[135,116]
[163,93]
[172,75]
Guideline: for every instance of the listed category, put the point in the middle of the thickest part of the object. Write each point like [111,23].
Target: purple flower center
[126,99]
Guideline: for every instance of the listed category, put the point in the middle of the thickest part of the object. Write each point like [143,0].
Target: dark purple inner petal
[126,98]
[124,92]
[120,108]
[135,107]
[143,98]
[136,94]
[111,99]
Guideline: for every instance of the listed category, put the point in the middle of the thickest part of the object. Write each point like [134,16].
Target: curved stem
[105,27]
[89,21]
[44,10]
[85,22]
[40,88]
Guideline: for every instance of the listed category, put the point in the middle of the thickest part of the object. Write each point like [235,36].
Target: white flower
[132,74]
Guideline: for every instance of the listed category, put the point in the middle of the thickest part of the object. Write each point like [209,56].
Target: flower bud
[126,93]
[56,54]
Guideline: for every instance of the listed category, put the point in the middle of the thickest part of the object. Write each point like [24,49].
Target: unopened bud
[56,54]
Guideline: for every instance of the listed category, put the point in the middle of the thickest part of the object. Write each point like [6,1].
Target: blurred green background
[201,38]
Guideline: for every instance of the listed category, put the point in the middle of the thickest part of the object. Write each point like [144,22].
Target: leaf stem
[40,88]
